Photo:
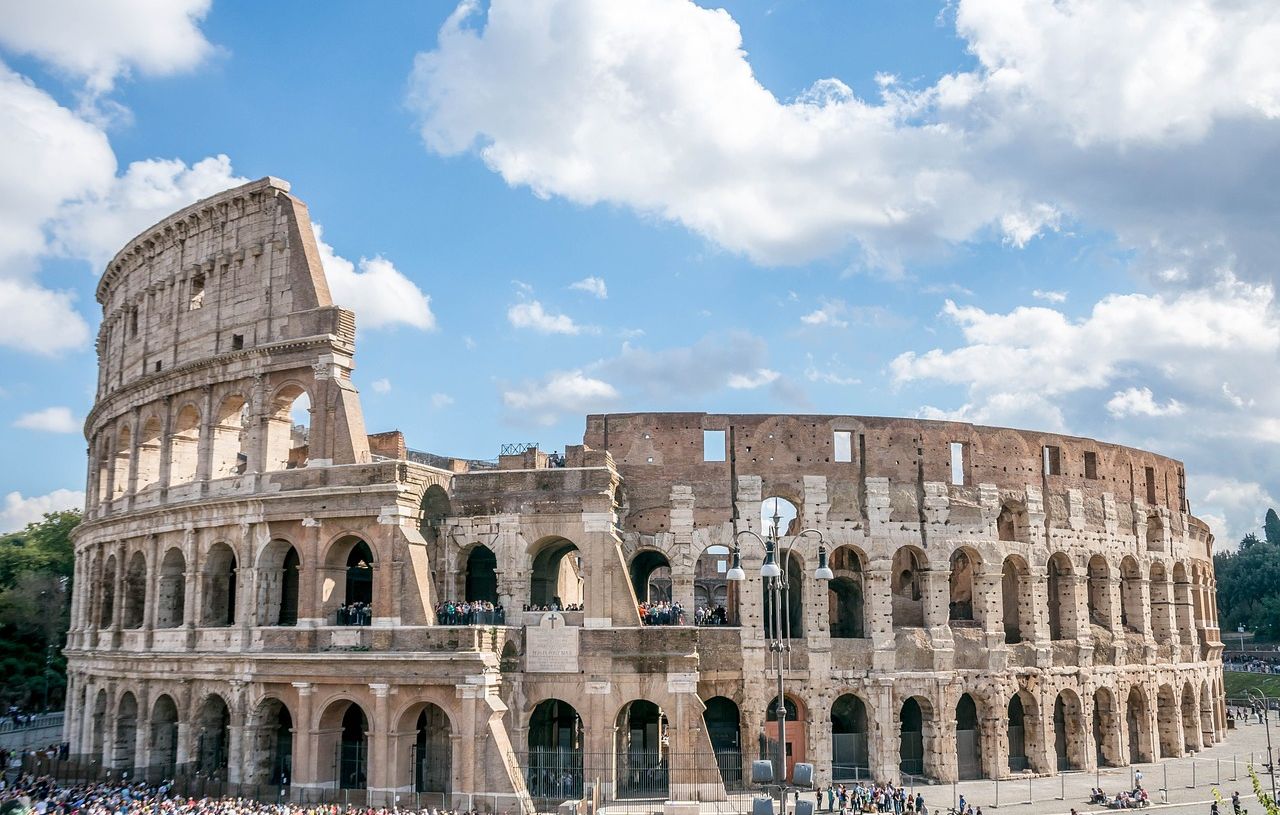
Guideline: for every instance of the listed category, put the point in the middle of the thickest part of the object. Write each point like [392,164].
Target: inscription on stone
[551,646]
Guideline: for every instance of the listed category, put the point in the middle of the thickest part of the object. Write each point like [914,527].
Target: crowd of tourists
[470,612]
[867,797]
[1125,799]
[554,605]
[662,613]
[19,717]
[1251,663]
[356,613]
[706,615]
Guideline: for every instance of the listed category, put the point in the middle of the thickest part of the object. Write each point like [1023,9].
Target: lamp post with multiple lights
[774,573]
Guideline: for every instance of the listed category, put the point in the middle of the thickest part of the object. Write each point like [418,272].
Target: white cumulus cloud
[18,510]
[50,420]
[439,401]
[755,379]
[532,315]
[543,401]
[592,285]
[382,385]
[1141,402]
[1049,296]
[379,294]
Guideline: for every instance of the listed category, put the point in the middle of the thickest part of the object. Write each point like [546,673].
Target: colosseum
[265,593]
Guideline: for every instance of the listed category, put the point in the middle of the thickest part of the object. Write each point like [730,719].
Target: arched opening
[164,736]
[724,726]
[97,750]
[279,581]
[845,598]
[432,751]
[1106,730]
[219,586]
[123,457]
[213,730]
[1099,592]
[1062,599]
[907,587]
[715,598]
[1136,720]
[288,430]
[184,446]
[230,435]
[435,507]
[1012,523]
[651,577]
[353,749]
[1155,533]
[105,463]
[1161,604]
[968,739]
[555,751]
[359,584]
[149,445]
[639,751]
[1208,725]
[960,607]
[556,578]
[1015,590]
[135,591]
[1182,606]
[1017,735]
[126,742]
[849,758]
[911,741]
[1168,722]
[791,598]
[780,513]
[107,610]
[171,595]
[1131,595]
[797,732]
[481,583]
[1068,732]
[272,745]
[1190,719]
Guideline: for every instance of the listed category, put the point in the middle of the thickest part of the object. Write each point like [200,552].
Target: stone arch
[792,582]
[184,446]
[107,607]
[220,584]
[344,735]
[1208,728]
[288,428]
[555,741]
[797,718]
[787,510]
[850,754]
[1190,719]
[104,463]
[1068,731]
[1161,604]
[723,722]
[1018,608]
[150,445]
[712,590]
[350,574]
[846,594]
[1018,716]
[969,763]
[434,508]
[171,592]
[1106,729]
[480,578]
[556,574]
[122,460]
[651,576]
[907,587]
[97,744]
[229,442]
[1060,588]
[212,736]
[271,744]
[124,752]
[1138,725]
[1131,595]
[164,736]
[1155,532]
[1183,606]
[917,730]
[425,757]
[135,591]
[965,562]
[1012,524]
[641,761]
[1169,723]
[1100,591]
[279,583]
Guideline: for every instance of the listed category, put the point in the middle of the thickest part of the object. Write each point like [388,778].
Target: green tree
[1271,527]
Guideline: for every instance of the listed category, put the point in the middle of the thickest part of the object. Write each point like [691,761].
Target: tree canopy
[36,566]
[1249,582]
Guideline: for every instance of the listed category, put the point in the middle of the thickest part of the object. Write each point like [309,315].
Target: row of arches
[171,448]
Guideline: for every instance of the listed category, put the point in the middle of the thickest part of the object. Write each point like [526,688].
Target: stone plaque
[551,646]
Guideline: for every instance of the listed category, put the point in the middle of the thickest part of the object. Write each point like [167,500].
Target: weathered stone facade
[1004,601]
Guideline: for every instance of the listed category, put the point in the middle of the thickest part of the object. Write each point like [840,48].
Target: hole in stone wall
[196,293]
[843,441]
[957,463]
[1091,465]
[1052,460]
[1151,484]
[713,445]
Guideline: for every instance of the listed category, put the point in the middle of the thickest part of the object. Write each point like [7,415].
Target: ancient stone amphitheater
[257,578]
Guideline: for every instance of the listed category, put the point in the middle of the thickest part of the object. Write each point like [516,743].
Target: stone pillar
[166,442]
[117,610]
[152,594]
[381,767]
[204,447]
[310,606]
[937,613]
[878,625]
[305,762]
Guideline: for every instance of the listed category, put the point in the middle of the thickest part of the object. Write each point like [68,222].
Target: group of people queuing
[554,605]
[356,613]
[868,797]
[661,613]
[706,615]
[470,612]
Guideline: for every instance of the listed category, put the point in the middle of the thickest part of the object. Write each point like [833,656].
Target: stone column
[310,605]
[304,739]
[381,767]
[878,624]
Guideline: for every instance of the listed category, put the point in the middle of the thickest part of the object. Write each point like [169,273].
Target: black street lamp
[774,573]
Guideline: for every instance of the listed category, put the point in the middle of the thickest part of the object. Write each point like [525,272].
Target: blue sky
[1056,216]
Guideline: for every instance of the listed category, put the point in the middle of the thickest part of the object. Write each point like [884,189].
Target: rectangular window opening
[957,463]
[197,293]
[1091,465]
[843,446]
[1052,460]
[713,445]
[237,342]
[1151,485]
[133,324]
[157,366]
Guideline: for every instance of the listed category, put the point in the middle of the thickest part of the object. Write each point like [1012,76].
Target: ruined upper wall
[655,450]
[234,271]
